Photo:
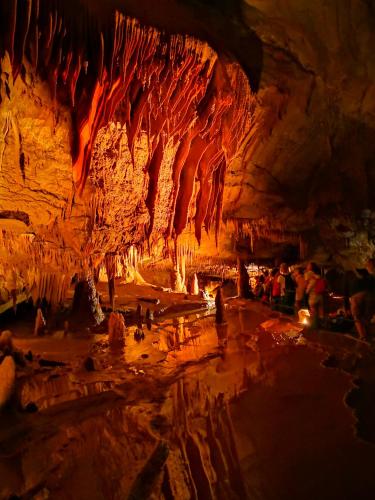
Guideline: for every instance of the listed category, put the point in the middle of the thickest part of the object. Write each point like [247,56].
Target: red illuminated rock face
[135,129]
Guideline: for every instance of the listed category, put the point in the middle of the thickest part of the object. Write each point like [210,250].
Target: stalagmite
[220,307]
[149,317]
[177,284]
[139,334]
[86,310]
[139,316]
[40,323]
[195,285]
[243,282]
[116,328]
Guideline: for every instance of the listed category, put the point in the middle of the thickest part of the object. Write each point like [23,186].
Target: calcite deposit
[112,140]
[116,133]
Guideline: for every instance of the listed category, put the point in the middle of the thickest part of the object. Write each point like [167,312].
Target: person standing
[315,289]
[362,299]
[300,289]
[287,286]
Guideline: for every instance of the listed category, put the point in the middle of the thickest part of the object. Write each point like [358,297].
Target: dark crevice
[15,214]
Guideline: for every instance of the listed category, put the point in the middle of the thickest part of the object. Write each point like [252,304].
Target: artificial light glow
[304,316]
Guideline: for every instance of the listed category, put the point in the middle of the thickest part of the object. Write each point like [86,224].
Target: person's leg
[357,307]
[361,328]
[321,312]
[314,323]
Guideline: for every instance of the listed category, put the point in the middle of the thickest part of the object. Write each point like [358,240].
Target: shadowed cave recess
[155,158]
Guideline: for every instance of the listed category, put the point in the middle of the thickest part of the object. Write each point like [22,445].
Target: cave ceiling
[125,122]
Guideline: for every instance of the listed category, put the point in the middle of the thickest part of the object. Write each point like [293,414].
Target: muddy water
[195,410]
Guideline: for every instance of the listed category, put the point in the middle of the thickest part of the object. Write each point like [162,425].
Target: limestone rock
[116,328]
[7,379]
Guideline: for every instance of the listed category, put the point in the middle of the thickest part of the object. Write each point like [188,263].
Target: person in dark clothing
[362,298]
[275,286]
[287,286]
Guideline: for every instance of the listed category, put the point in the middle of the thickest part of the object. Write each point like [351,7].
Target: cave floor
[195,410]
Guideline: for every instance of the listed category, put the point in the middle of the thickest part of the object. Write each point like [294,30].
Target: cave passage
[187,249]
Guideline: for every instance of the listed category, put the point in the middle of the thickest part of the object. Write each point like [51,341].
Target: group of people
[291,290]
[288,290]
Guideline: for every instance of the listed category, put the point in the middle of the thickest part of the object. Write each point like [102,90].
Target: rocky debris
[7,349]
[7,379]
[6,343]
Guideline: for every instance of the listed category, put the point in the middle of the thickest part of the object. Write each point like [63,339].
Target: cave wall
[308,165]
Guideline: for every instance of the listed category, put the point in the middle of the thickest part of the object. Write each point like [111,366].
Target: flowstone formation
[114,134]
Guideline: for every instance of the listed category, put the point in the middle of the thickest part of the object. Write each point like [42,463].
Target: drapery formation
[181,107]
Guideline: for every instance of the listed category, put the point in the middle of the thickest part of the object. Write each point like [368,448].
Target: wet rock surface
[195,410]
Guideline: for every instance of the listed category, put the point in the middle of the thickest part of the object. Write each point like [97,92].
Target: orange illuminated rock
[121,136]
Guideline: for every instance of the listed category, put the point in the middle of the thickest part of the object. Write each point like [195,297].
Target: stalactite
[175,89]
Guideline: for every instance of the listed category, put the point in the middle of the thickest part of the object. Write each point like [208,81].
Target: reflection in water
[181,414]
[222,334]
[109,424]
[203,451]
